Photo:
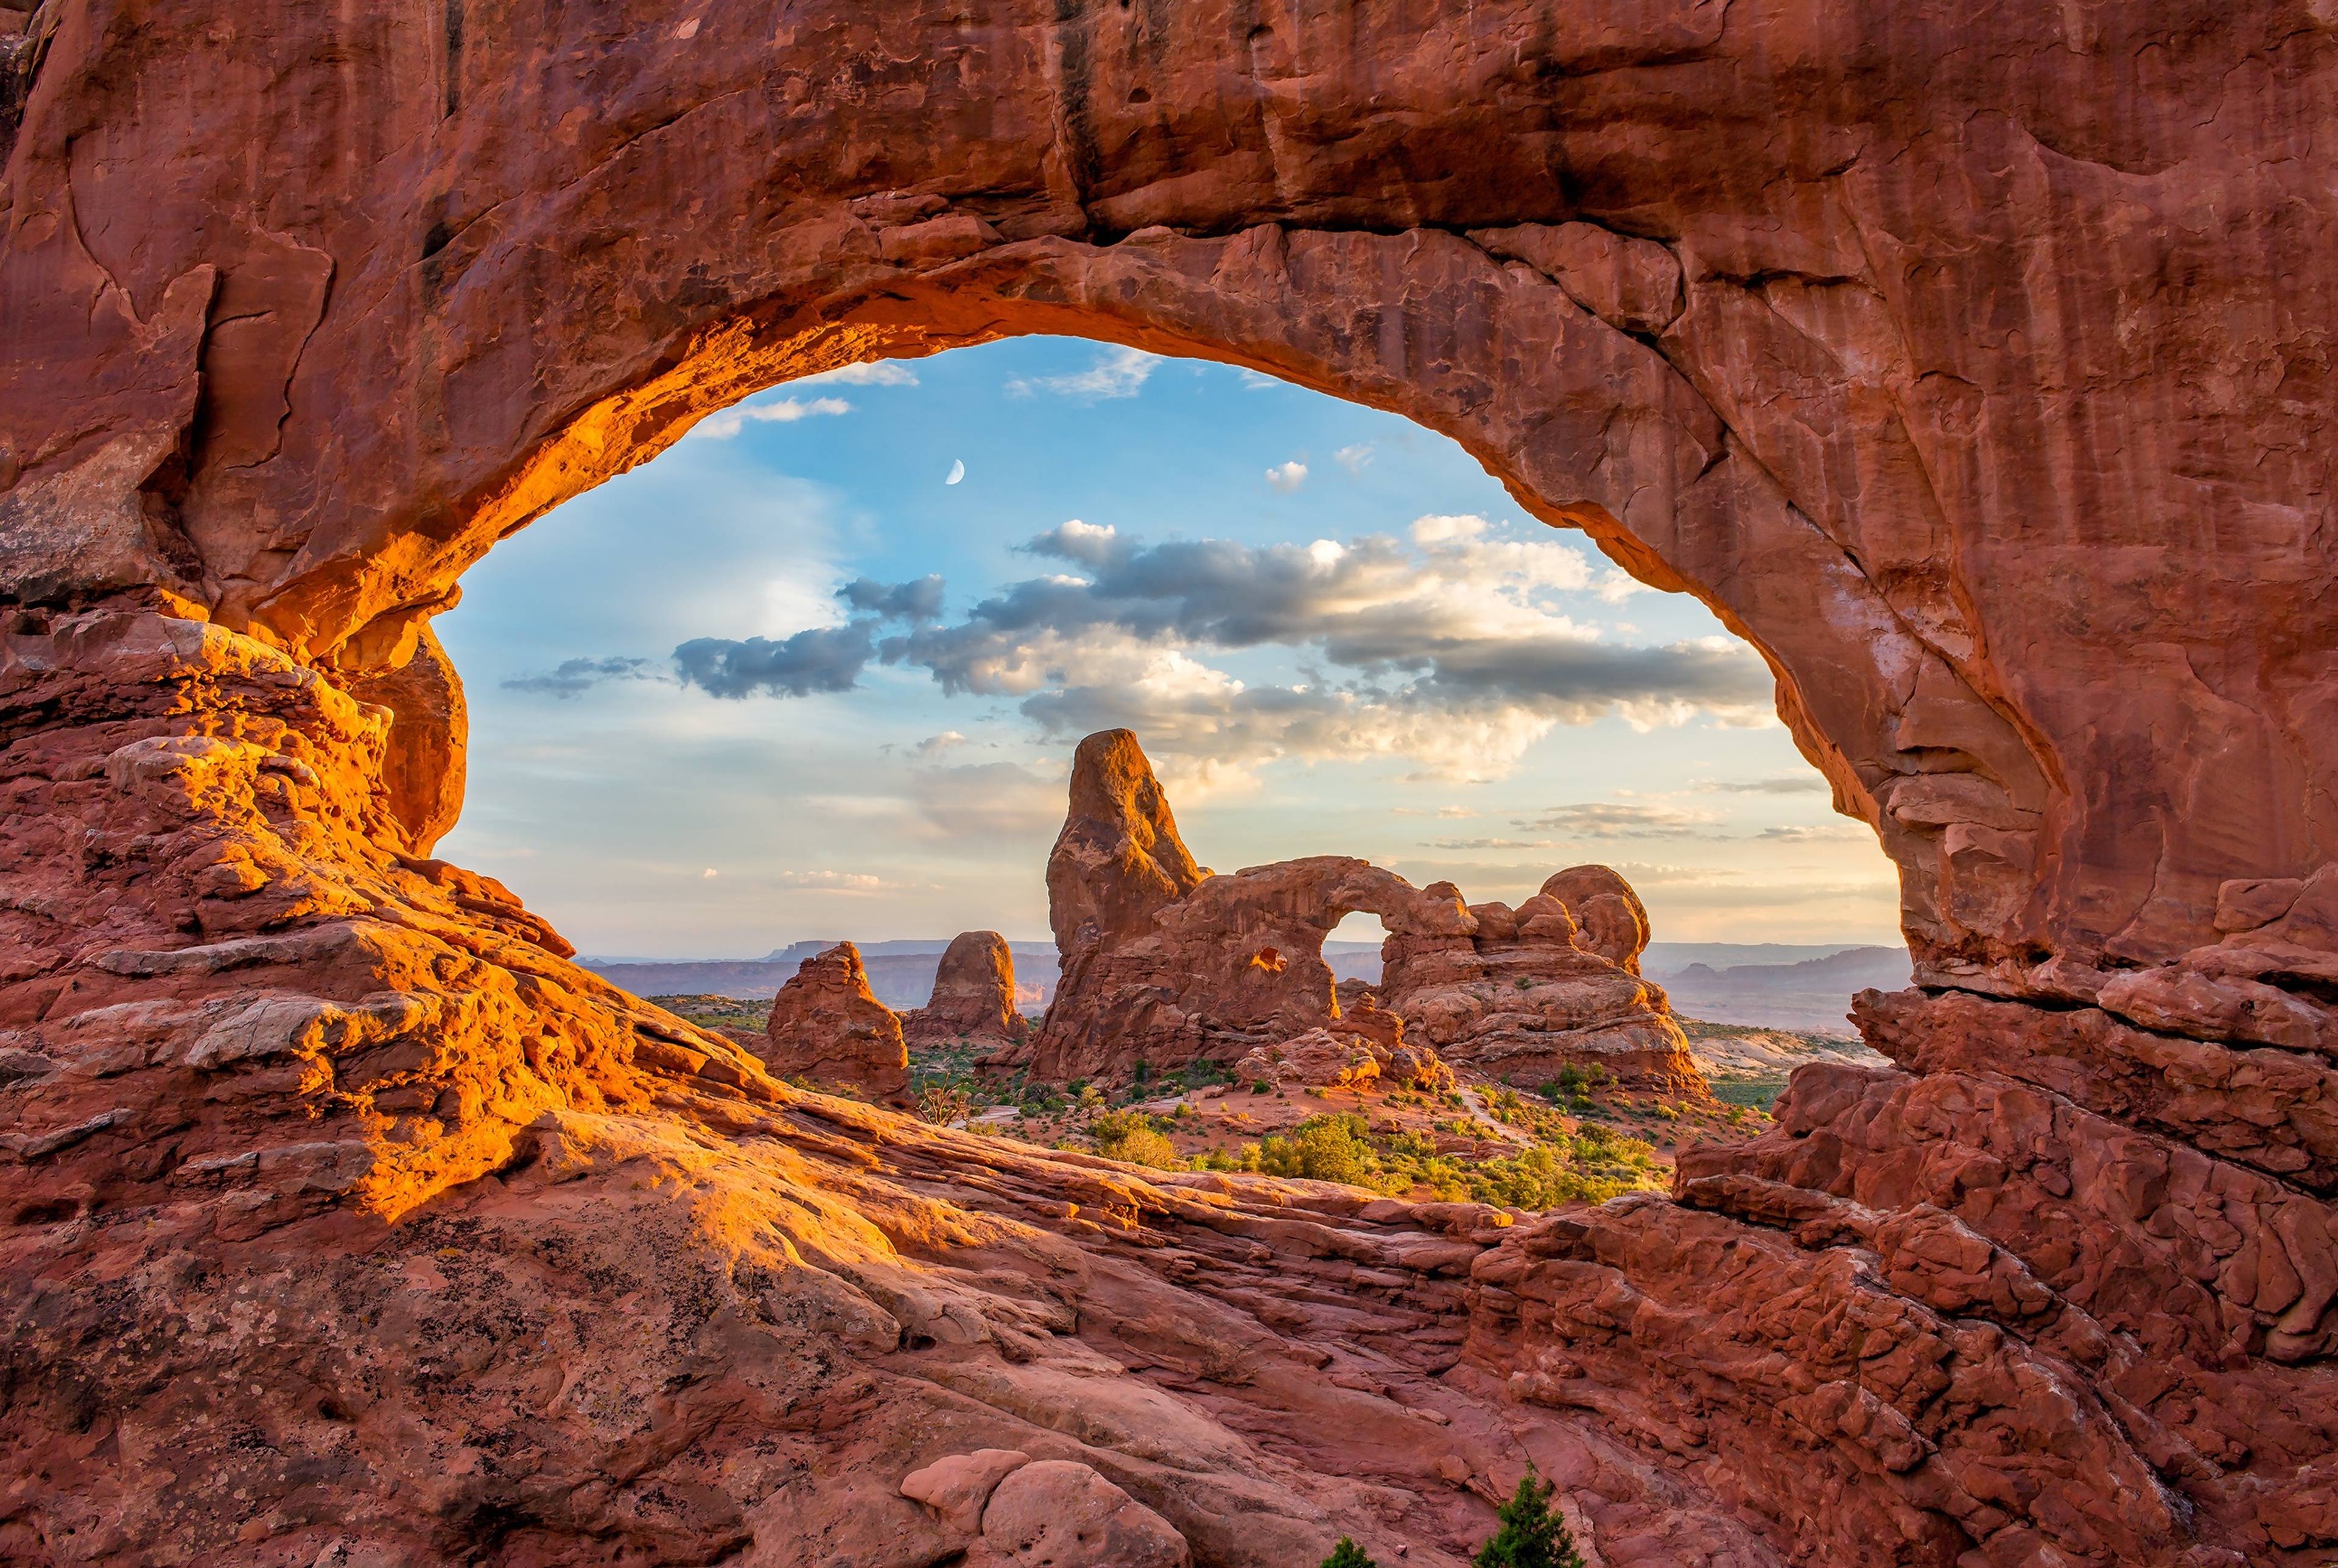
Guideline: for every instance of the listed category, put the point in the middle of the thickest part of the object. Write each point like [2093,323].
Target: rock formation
[973,1000]
[1333,1056]
[1970,361]
[1166,964]
[826,1027]
[1524,995]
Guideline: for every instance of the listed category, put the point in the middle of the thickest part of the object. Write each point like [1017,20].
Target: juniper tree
[1348,1554]
[1531,1535]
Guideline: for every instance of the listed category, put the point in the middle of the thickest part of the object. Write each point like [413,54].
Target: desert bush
[1130,1135]
[1530,1535]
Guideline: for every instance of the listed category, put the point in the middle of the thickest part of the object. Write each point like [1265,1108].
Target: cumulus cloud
[875,373]
[1353,458]
[1450,640]
[1288,477]
[723,425]
[1447,647]
[1116,372]
[919,600]
[823,658]
[573,677]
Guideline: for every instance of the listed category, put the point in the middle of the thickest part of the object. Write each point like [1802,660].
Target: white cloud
[1117,373]
[874,373]
[935,745]
[1437,529]
[1353,458]
[709,874]
[1288,477]
[723,425]
[835,881]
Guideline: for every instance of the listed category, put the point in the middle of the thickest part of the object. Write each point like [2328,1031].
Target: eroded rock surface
[826,1026]
[973,1000]
[1164,963]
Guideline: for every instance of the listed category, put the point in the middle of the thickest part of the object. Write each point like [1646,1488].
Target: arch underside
[1971,365]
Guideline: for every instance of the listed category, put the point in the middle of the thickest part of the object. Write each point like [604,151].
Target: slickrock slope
[1970,361]
[973,999]
[1166,964]
[826,1027]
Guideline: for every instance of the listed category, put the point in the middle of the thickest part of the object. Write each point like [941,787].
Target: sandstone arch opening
[1281,584]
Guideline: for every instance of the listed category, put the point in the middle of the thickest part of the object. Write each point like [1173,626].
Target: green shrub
[1348,1554]
[1130,1135]
[1531,1535]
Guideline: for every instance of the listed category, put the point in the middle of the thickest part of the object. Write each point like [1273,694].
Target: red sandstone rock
[1235,962]
[1522,996]
[973,1000]
[327,1176]
[958,1487]
[1319,1058]
[826,1026]
[430,727]
[1056,1514]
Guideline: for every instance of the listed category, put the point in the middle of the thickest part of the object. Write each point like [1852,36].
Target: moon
[956,472]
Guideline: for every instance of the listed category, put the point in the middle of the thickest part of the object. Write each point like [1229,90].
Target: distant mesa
[828,1028]
[1162,962]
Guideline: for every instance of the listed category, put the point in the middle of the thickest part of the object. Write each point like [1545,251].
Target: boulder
[958,1487]
[1060,1513]
[1317,1059]
[826,1026]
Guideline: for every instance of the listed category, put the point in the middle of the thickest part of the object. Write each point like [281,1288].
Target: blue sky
[719,703]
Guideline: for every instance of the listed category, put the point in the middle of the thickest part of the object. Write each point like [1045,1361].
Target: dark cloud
[1374,606]
[573,677]
[916,601]
[824,659]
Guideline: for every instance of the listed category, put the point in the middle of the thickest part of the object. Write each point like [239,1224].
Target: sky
[817,670]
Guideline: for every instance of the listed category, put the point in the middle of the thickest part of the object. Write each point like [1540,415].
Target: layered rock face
[973,1001]
[1166,964]
[1968,361]
[826,1025]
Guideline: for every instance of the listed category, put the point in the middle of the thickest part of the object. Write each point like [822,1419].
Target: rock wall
[1970,360]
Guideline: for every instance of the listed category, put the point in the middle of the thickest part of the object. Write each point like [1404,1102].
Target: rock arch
[1970,362]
